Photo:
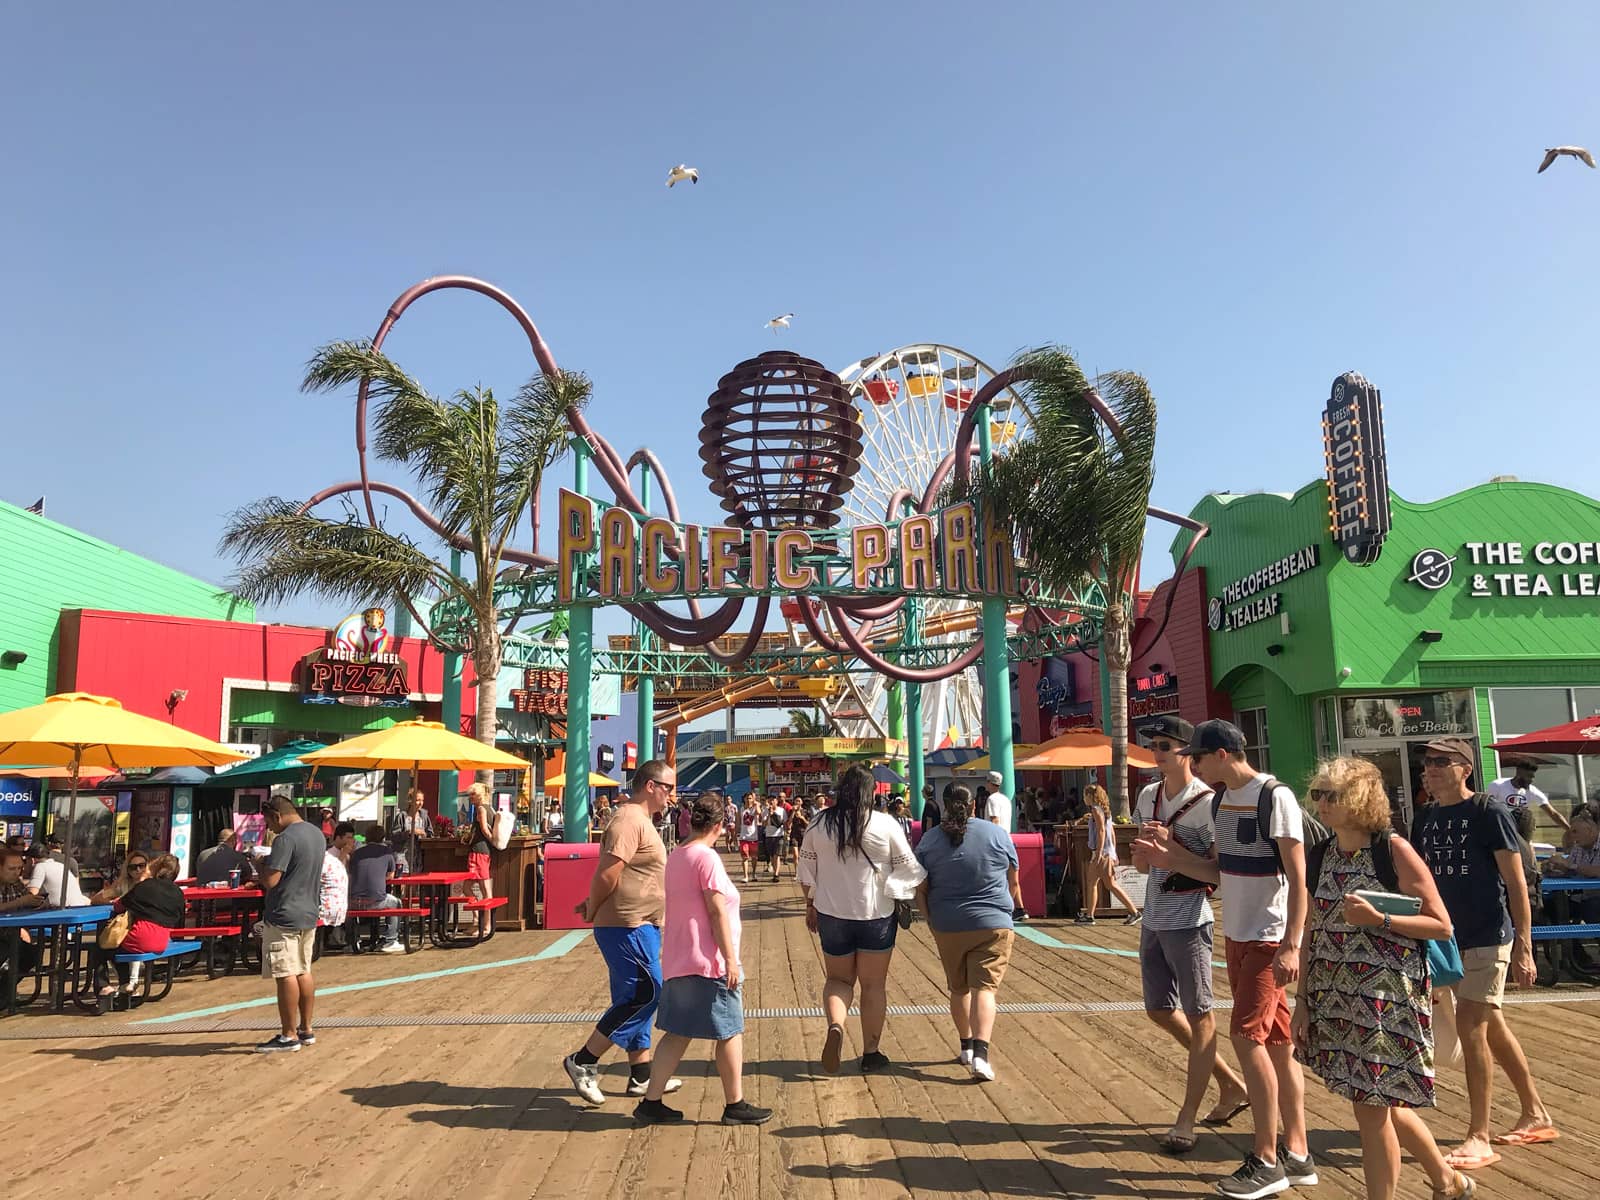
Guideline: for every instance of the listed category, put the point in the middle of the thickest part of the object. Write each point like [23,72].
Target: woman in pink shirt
[700,972]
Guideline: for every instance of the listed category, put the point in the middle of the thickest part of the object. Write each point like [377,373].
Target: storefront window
[1252,722]
[1523,710]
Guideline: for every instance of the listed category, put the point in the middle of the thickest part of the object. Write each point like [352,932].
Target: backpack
[1316,834]
[505,823]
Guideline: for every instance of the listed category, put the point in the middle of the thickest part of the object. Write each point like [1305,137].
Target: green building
[1481,618]
[49,567]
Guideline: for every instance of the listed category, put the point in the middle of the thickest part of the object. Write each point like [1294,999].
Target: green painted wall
[49,567]
[1368,619]
[285,710]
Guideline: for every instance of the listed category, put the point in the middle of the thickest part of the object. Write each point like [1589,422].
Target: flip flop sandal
[1476,1162]
[1227,1117]
[1469,1189]
[1176,1143]
[1528,1137]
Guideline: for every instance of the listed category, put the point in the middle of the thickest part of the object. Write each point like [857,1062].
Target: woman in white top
[854,865]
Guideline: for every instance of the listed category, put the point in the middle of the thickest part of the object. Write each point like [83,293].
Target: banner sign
[543,690]
[1357,469]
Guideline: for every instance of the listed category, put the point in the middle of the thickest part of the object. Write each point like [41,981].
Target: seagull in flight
[1554,152]
[778,323]
[680,172]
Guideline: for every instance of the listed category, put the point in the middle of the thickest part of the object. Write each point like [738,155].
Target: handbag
[1176,881]
[1444,963]
[114,932]
[905,912]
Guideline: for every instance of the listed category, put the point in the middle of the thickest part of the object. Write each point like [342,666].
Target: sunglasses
[1439,760]
[1164,747]
[137,866]
[1320,794]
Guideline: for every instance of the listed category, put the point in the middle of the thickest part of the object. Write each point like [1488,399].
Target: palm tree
[1074,492]
[809,724]
[479,464]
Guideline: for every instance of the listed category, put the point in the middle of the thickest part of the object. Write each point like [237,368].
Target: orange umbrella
[85,774]
[1082,748]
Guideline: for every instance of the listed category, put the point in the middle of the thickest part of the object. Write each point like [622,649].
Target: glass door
[1392,764]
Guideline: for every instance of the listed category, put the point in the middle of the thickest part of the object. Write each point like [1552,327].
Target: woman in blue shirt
[968,898]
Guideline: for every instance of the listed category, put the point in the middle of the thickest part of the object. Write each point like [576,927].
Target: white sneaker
[981,1070]
[638,1087]
[965,1057]
[392,948]
[585,1079]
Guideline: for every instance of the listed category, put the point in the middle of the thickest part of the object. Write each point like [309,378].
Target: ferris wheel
[911,402]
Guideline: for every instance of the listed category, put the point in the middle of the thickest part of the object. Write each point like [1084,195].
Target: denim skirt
[693,1006]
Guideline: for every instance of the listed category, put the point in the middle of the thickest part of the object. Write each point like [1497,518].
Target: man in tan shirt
[626,904]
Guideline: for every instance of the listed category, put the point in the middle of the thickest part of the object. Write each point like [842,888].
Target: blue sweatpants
[633,960]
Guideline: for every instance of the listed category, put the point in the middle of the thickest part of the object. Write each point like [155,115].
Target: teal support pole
[996,668]
[914,769]
[580,674]
[647,683]
[450,709]
[897,724]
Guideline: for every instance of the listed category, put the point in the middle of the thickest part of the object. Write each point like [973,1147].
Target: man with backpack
[1469,841]
[1259,866]
[1175,945]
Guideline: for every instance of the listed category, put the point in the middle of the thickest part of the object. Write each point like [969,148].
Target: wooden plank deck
[404,1095]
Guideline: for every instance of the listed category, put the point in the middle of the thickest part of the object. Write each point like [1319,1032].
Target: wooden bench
[352,929]
[175,950]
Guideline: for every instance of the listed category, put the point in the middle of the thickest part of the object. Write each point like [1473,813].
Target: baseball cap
[996,779]
[1214,735]
[1455,748]
[1175,728]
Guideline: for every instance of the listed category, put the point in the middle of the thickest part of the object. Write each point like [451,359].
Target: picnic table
[433,893]
[1560,936]
[244,906]
[61,922]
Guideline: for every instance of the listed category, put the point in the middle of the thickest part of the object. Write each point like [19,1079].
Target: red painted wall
[140,659]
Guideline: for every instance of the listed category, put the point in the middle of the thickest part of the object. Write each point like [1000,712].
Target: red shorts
[748,849]
[478,866]
[1260,1006]
[145,937]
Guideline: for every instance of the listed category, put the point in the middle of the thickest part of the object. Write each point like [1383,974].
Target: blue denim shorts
[694,1006]
[841,938]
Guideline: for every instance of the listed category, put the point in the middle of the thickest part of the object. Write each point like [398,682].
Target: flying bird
[778,323]
[1577,152]
[680,172]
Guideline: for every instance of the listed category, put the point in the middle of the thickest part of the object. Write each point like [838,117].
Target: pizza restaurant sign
[1513,569]
[358,667]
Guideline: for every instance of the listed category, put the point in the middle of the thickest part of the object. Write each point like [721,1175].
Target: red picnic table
[433,888]
[244,905]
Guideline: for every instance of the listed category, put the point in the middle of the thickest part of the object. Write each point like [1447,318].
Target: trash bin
[1030,873]
[569,869]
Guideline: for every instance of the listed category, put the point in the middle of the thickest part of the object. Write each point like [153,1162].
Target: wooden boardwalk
[447,1081]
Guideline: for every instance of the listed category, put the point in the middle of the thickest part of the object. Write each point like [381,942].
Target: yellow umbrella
[981,763]
[76,730]
[1079,749]
[420,745]
[595,781]
[85,774]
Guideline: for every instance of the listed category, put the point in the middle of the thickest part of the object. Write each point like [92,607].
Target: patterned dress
[1371,1030]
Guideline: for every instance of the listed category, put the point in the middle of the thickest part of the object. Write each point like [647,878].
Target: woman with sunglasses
[1363,1020]
[155,907]
[132,873]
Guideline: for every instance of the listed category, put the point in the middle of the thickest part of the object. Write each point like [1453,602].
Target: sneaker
[1133,918]
[1253,1180]
[965,1057]
[1301,1172]
[585,1079]
[391,948]
[981,1070]
[873,1060]
[832,1048]
[308,1037]
[278,1042]
[1083,919]
[653,1112]
[638,1087]
[745,1113]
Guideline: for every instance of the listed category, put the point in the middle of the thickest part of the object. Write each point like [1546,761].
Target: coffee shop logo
[1432,569]
[1214,613]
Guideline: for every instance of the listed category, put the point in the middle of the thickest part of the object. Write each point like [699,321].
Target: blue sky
[1239,201]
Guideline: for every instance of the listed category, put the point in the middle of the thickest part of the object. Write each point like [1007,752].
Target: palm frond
[537,437]
[284,553]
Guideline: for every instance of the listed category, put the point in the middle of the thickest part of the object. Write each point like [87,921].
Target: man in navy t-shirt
[1469,841]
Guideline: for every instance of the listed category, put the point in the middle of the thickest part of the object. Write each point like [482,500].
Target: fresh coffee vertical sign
[1357,469]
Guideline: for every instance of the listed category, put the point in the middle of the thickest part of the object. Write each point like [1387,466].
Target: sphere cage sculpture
[781,444]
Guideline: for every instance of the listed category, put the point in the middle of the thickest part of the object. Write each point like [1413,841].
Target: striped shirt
[1253,891]
[1195,833]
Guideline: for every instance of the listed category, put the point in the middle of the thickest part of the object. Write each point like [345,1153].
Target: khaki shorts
[975,958]
[286,952]
[1483,979]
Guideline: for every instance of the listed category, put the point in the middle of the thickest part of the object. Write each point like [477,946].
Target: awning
[1081,749]
[282,765]
[951,756]
[981,763]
